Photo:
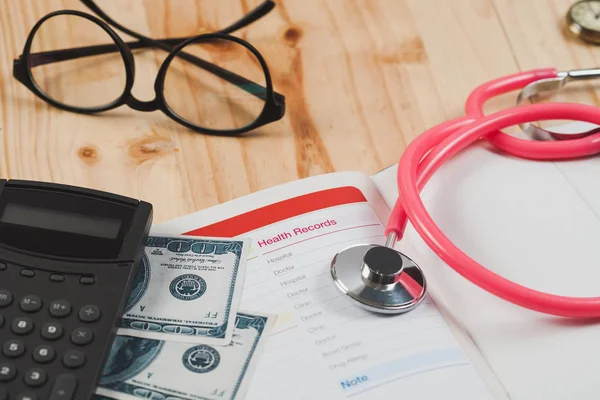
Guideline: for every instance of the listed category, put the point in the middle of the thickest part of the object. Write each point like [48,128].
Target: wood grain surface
[362,78]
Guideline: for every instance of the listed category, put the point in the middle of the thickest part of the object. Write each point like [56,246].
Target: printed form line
[278,293]
[285,330]
[373,342]
[270,278]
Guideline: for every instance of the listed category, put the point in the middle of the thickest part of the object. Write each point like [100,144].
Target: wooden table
[361,80]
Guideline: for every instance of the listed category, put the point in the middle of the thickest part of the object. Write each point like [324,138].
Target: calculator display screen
[61,221]
[63,224]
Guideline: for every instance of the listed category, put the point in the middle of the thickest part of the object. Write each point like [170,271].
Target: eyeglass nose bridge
[145,106]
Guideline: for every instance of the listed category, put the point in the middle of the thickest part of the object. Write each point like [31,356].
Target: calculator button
[7,372]
[31,303]
[1,321]
[44,354]
[87,280]
[13,349]
[57,278]
[2,268]
[5,298]
[73,359]
[28,273]
[52,331]
[64,387]
[60,308]
[22,326]
[35,377]
[89,314]
[27,396]
[82,336]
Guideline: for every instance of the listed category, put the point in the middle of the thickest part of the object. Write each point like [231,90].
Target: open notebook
[536,223]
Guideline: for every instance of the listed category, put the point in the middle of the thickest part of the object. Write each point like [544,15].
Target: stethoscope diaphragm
[379,278]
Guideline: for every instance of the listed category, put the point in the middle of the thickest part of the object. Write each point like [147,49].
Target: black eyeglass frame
[273,110]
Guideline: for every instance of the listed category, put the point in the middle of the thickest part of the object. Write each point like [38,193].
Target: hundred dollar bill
[188,289]
[139,368]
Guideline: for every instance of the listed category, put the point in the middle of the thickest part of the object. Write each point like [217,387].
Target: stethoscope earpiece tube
[351,269]
[428,153]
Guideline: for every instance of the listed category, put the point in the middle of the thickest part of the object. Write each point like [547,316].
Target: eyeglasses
[212,83]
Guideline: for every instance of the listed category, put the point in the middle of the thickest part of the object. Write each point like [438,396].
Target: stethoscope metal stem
[391,240]
[580,74]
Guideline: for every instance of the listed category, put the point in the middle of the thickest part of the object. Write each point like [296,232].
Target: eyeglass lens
[83,82]
[206,99]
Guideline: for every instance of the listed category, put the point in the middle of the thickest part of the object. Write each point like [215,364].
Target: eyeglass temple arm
[42,58]
[263,9]
[254,15]
[243,83]
[47,57]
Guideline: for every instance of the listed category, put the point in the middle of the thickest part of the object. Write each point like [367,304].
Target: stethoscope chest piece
[379,278]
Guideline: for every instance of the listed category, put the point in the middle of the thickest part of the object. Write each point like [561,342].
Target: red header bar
[283,210]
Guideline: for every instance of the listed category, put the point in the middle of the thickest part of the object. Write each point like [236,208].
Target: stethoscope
[382,279]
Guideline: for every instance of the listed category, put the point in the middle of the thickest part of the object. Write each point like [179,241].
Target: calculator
[68,257]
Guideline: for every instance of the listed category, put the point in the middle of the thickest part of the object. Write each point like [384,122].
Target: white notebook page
[323,346]
[536,223]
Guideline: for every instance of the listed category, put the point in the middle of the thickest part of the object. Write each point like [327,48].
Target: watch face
[587,14]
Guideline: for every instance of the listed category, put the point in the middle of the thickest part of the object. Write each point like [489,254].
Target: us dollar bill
[187,289]
[139,368]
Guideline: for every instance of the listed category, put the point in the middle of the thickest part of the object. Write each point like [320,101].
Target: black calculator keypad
[73,359]
[27,396]
[87,280]
[52,331]
[55,329]
[89,313]
[46,341]
[64,387]
[35,377]
[8,372]
[28,273]
[13,348]
[6,298]
[30,304]
[57,278]
[82,336]
[60,309]
[22,326]
[44,354]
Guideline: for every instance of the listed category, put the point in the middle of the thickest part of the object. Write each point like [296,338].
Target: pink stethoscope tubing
[435,146]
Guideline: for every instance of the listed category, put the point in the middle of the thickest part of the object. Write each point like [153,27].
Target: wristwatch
[583,20]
